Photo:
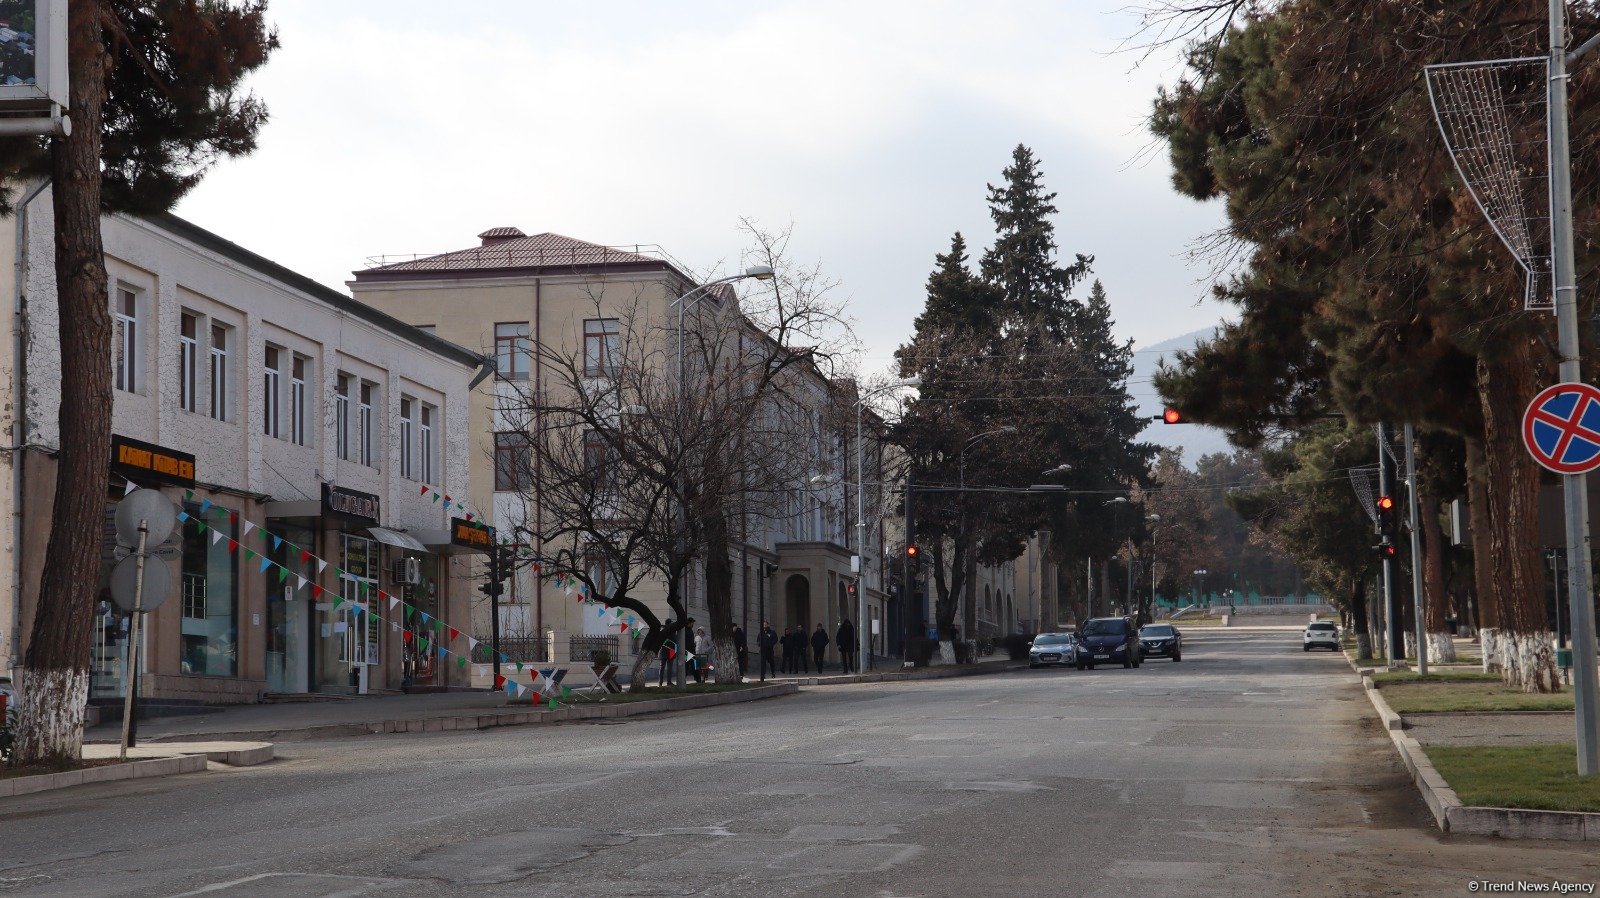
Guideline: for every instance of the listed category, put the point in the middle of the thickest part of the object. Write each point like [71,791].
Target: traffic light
[494,589]
[1386,549]
[911,550]
[1388,526]
[1172,416]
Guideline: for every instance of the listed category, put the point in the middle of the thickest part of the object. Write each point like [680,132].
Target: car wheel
[1177,656]
[1126,662]
[1306,648]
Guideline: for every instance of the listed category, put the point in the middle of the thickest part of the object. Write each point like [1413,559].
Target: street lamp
[1153,534]
[858,561]
[1201,586]
[754,272]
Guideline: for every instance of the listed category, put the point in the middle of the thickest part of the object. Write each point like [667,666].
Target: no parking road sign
[1561,428]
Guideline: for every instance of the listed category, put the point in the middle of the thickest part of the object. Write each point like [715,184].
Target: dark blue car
[1108,640]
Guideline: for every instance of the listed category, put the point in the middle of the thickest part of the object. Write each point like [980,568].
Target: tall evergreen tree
[1022,261]
[154,100]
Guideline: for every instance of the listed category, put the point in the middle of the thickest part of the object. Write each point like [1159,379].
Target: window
[341,417]
[601,345]
[188,360]
[298,432]
[271,391]
[125,337]
[221,366]
[209,625]
[425,444]
[512,350]
[407,425]
[513,462]
[368,436]
[596,458]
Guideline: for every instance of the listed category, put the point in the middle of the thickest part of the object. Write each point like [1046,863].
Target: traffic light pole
[1393,634]
[1418,614]
[908,584]
[1574,486]
[494,609]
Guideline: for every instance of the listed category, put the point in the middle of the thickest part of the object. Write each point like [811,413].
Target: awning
[399,540]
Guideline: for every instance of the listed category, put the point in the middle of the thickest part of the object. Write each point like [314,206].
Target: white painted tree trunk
[1530,662]
[50,716]
[1489,640]
[724,661]
[1441,648]
[1363,645]
[947,651]
[1411,644]
[637,681]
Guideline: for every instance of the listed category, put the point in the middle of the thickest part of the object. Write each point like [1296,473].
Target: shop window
[512,351]
[188,361]
[362,632]
[126,357]
[299,432]
[408,426]
[210,578]
[513,462]
[601,346]
[341,417]
[271,391]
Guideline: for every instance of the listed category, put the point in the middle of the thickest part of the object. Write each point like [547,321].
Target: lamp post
[1153,532]
[858,562]
[756,272]
[1201,586]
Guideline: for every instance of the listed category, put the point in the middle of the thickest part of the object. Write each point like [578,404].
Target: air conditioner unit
[407,571]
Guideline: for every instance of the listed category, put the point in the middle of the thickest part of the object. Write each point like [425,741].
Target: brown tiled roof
[503,251]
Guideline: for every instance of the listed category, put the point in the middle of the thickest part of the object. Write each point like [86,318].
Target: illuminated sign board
[352,504]
[471,534]
[142,462]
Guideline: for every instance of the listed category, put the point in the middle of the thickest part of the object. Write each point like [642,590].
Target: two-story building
[309,440]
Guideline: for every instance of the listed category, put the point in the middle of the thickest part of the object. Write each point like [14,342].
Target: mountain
[1195,439]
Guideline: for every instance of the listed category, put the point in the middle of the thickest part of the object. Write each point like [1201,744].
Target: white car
[1322,634]
[1051,648]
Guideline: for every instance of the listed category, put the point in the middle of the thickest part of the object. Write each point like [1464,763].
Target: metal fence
[582,648]
[527,649]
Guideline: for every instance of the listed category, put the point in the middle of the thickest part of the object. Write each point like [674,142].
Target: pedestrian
[846,638]
[665,657]
[741,652]
[702,658]
[787,644]
[819,645]
[802,650]
[767,642]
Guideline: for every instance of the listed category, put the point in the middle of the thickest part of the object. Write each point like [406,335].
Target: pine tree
[1022,261]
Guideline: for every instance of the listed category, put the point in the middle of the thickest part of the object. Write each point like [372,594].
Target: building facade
[308,440]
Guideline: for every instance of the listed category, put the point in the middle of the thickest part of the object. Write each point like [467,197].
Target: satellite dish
[157,581]
[150,506]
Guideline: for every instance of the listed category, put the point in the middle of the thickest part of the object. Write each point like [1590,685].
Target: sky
[870,128]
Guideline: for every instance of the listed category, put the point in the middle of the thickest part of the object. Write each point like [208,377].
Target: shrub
[1016,646]
[600,658]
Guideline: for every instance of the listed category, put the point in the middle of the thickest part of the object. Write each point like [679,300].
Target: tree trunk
[1480,519]
[1441,645]
[54,675]
[638,681]
[1513,482]
[719,598]
[1358,616]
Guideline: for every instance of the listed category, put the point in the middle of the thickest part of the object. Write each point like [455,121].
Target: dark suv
[1108,640]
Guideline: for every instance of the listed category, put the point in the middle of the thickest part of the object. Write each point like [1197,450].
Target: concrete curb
[496,718]
[132,770]
[922,673]
[1454,817]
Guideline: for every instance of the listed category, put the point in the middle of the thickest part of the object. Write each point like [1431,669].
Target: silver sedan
[1051,649]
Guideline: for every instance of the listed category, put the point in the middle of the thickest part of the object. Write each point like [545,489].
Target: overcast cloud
[403,127]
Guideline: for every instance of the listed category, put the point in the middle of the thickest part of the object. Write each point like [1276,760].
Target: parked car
[1108,640]
[1323,634]
[1161,640]
[1051,648]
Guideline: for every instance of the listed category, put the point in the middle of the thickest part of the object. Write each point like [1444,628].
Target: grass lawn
[1544,777]
[1386,677]
[1466,693]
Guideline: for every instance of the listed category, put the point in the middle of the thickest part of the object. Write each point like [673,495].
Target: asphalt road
[1248,769]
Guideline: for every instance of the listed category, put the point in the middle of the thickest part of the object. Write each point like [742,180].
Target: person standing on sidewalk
[787,644]
[819,645]
[846,640]
[702,657]
[767,643]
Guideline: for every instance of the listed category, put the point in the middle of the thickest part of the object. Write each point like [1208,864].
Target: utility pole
[1417,612]
[1574,486]
[1394,636]
[908,585]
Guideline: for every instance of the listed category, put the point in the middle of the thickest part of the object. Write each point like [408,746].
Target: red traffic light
[1385,503]
[911,551]
[1172,416]
[1387,550]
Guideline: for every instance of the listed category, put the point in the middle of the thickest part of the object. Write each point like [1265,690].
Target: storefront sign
[142,462]
[471,534]
[352,504]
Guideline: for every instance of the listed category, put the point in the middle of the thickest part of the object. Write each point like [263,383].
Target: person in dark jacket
[787,644]
[741,651]
[767,642]
[819,645]
[846,640]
